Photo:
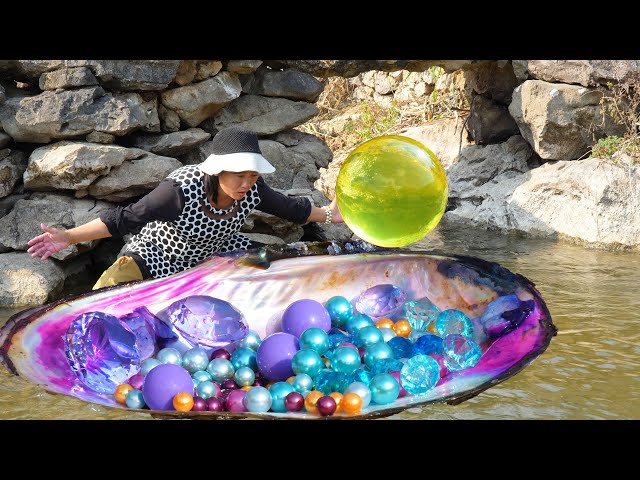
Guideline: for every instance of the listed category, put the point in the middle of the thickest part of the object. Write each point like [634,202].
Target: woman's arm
[55,239]
[295,209]
[319,214]
[165,203]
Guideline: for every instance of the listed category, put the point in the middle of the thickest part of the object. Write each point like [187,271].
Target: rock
[243,66]
[561,122]
[28,281]
[71,113]
[12,167]
[100,137]
[186,72]
[289,84]
[171,144]
[169,120]
[588,73]
[490,122]
[206,69]
[196,102]
[293,169]
[131,74]
[67,78]
[264,115]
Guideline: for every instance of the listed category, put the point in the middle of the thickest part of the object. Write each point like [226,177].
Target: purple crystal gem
[152,334]
[101,351]
[504,314]
[205,321]
[381,301]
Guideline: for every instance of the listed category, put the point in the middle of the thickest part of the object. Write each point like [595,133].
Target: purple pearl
[230,384]
[294,402]
[220,353]
[326,406]
[199,404]
[235,401]
[214,404]
[136,381]
[348,344]
[361,350]
[260,382]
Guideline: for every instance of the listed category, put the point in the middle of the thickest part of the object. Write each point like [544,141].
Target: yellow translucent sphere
[392,191]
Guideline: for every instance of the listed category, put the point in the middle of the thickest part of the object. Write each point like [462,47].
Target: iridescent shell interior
[262,283]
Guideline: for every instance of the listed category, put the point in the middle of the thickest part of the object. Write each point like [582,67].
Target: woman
[196,211]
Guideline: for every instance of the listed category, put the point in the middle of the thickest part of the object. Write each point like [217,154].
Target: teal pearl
[340,310]
[302,383]
[134,399]
[244,376]
[220,369]
[316,339]
[307,361]
[387,334]
[279,391]
[345,360]
[169,355]
[384,389]
[367,336]
[376,352]
[206,389]
[195,359]
[257,399]
[358,321]
[148,364]
[251,340]
[244,357]
[362,390]
[201,376]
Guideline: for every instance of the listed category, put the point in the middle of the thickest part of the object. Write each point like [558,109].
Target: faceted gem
[420,313]
[385,366]
[460,352]
[504,314]
[381,301]
[101,351]
[205,321]
[402,347]
[427,344]
[454,321]
[152,334]
[419,374]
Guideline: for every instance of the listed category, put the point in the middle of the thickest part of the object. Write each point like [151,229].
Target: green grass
[373,121]
[606,147]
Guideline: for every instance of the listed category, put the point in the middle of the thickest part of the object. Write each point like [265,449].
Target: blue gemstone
[454,321]
[385,366]
[361,375]
[420,313]
[428,344]
[419,374]
[460,352]
[402,347]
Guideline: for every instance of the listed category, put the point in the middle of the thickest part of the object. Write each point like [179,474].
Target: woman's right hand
[50,242]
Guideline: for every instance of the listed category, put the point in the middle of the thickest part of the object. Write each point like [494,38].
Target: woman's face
[237,184]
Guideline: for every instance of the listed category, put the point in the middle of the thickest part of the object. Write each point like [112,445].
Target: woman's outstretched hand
[48,243]
[335,213]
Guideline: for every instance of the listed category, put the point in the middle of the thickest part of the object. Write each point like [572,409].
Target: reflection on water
[589,371]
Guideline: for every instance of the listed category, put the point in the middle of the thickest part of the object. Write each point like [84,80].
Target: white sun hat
[235,149]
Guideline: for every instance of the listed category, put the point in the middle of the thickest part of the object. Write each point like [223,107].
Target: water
[589,371]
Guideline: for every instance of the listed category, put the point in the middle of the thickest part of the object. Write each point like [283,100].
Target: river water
[589,371]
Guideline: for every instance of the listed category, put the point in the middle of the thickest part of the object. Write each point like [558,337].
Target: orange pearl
[311,400]
[246,388]
[402,328]
[121,392]
[291,379]
[337,396]
[384,323]
[327,362]
[183,402]
[431,328]
[351,403]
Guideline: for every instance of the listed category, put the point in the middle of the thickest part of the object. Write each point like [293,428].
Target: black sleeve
[294,209]
[164,203]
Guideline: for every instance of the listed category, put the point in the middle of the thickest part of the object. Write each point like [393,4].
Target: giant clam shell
[261,283]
